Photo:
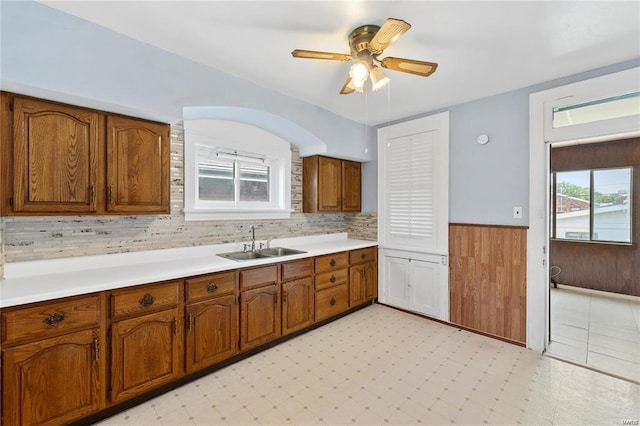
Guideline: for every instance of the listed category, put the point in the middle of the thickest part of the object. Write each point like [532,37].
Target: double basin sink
[261,254]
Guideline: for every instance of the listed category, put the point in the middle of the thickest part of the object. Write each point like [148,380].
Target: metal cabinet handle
[146,300]
[332,301]
[333,262]
[332,279]
[212,287]
[54,319]
[96,349]
[363,255]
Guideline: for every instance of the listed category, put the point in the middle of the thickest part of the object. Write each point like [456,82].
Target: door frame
[540,138]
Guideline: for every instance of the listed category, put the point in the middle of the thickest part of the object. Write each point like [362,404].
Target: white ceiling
[483,48]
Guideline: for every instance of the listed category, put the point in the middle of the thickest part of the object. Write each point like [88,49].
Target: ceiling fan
[367,43]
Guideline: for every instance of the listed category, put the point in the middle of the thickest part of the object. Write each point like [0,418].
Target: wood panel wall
[488,272]
[605,267]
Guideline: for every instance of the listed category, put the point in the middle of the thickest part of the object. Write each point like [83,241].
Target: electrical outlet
[517,212]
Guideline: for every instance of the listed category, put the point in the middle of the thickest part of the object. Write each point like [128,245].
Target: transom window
[593,205]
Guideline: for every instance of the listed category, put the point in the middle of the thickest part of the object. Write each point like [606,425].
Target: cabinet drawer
[332,262]
[332,301]
[297,269]
[330,279]
[211,286]
[362,255]
[49,318]
[258,276]
[145,299]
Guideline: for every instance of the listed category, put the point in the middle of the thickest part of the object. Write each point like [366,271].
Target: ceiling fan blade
[312,54]
[390,31]
[347,88]
[411,66]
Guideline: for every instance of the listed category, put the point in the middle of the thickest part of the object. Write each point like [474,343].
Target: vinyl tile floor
[380,366]
[595,330]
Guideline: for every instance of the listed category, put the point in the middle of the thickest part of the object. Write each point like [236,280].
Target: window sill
[235,214]
[606,243]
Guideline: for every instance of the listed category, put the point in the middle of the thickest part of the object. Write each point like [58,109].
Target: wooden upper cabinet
[137,166]
[56,154]
[330,185]
[61,159]
[329,182]
[351,186]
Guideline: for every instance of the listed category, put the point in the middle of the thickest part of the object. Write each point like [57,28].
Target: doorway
[542,135]
[594,299]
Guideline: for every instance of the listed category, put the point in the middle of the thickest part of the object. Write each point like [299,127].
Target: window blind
[410,187]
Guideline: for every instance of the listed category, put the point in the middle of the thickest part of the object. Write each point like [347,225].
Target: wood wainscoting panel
[487,279]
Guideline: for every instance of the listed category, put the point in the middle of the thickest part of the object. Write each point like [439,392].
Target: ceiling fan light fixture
[378,78]
[359,72]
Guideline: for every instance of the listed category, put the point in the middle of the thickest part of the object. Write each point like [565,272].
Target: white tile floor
[382,366]
[598,331]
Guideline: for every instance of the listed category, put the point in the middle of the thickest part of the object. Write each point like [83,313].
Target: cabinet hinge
[109,393]
[109,333]
[10,106]
[11,201]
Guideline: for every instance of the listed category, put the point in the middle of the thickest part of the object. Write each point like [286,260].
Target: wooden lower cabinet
[146,352]
[332,301]
[297,305]
[53,381]
[259,316]
[212,332]
[363,283]
[60,365]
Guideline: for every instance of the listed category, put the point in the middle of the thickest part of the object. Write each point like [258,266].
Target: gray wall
[487,181]
[45,51]
[53,55]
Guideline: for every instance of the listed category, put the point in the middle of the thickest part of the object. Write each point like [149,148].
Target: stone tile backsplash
[46,237]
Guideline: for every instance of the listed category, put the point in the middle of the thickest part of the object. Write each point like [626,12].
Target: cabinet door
[212,332]
[371,281]
[363,283]
[56,157]
[137,166]
[145,353]
[329,184]
[297,305]
[357,282]
[351,186]
[259,316]
[52,381]
[423,287]
[396,280]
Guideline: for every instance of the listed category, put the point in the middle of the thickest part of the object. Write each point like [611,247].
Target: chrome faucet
[253,237]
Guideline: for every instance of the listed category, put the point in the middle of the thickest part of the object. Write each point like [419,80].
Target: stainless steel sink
[261,254]
[240,255]
[280,251]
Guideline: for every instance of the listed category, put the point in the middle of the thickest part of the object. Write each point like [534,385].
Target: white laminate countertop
[39,280]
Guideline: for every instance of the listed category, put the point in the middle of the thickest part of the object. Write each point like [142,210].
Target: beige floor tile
[382,365]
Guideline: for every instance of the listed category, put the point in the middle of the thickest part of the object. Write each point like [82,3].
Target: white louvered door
[413,188]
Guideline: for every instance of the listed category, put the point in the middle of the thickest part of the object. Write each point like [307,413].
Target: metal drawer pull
[332,301]
[54,319]
[212,287]
[332,279]
[146,300]
[362,256]
[333,262]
